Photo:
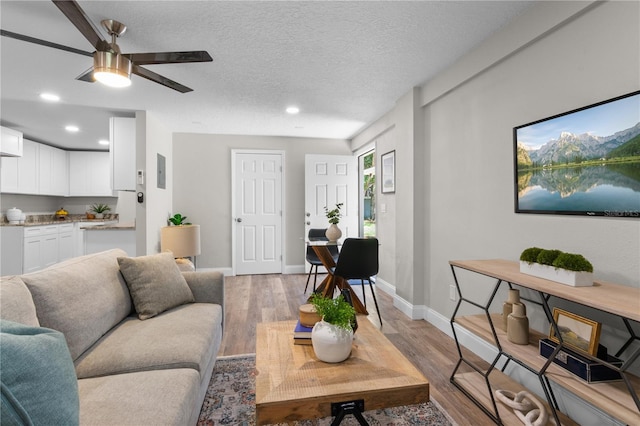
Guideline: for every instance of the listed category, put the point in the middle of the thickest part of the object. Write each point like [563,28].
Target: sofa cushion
[184,337]
[161,397]
[83,297]
[39,384]
[155,282]
[16,303]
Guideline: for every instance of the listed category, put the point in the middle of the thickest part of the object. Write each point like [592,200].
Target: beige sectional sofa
[130,371]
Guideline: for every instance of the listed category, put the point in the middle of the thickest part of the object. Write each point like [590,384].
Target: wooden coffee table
[292,384]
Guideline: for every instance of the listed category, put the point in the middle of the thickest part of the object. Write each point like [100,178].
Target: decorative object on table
[555,265]
[61,214]
[182,239]
[577,333]
[512,297]
[333,233]
[518,325]
[388,162]
[332,337]
[100,209]
[308,315]
[14,215]
[302,334]
[525,406]
[587,369]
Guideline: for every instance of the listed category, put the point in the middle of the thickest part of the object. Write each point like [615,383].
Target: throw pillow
[39,384]
[155,283]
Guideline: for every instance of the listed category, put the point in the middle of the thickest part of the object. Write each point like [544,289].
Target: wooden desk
[292,384]
[328,285]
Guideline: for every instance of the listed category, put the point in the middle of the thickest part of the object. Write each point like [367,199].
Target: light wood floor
[251,299]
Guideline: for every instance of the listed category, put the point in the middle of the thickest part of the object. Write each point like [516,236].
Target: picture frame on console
[578,333]
[581,162]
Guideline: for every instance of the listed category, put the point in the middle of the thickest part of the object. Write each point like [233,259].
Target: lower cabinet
[32,248]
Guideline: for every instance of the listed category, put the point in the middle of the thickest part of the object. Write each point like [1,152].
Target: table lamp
[183,241]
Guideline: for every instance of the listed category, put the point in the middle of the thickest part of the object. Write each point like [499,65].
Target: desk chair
[316,234]
[359,260]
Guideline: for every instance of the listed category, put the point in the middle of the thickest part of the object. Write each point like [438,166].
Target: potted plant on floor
[333,335]
[333,232]
[566,268]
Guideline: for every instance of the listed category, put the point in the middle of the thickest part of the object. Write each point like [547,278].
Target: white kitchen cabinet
[53,171]
[66,241]
[10,142]
[40,247]
[122,149]
[89,174]
[20,175]
[32,248]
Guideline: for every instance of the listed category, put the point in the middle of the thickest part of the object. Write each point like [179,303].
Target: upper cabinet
[20,175]
[89,174]
[123,153]
[53,171]
[10,142]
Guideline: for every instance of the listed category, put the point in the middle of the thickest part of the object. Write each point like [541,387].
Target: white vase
[331,343]
[333,233]
[99,215]
[563,276]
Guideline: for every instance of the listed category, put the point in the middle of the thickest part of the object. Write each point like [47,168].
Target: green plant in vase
[178,220]
[334,311]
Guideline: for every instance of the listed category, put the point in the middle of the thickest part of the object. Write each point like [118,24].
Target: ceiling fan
[109,63]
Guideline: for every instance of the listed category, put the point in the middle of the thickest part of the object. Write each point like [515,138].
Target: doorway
[367,193]
[257,211]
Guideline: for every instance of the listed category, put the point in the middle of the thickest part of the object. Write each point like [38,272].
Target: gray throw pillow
[155,283]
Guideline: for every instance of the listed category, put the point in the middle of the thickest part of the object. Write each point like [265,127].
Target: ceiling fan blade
[46,43]
[76,15]
[157,78]
[87,76]
[169,57]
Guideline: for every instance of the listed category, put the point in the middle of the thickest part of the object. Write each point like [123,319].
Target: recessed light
[293,110]
[103,142]
[71,128]
[49,97]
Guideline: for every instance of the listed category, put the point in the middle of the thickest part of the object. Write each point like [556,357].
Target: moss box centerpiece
[555,265]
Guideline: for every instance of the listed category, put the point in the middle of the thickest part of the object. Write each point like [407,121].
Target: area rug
[231,400]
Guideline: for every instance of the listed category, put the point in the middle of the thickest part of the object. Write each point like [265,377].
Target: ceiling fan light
[112,69]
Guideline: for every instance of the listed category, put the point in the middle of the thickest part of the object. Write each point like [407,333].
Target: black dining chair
[358,260]
[318,234]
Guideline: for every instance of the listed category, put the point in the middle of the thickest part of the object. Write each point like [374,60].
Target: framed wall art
[388,162]
[578,333]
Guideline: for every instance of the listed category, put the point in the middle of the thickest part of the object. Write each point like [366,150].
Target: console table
[618,399]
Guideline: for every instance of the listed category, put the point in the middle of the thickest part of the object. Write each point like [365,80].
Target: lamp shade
[182,240]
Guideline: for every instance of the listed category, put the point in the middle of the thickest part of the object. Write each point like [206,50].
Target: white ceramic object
[14,215]
[333,233]
[331,343]
[563,276]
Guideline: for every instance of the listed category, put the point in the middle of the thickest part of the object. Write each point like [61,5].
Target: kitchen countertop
[110,227]
[49,219]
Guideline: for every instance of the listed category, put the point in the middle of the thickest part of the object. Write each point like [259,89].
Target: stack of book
[302,334]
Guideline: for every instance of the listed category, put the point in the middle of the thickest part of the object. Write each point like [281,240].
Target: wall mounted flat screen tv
[581,162]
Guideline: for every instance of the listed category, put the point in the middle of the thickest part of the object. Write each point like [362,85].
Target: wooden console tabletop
[614,298]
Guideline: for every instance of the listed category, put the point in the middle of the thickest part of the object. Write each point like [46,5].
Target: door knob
[239,220]
[308,223]
[308,214]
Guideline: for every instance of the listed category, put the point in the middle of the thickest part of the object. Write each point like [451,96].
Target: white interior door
[329,180]
[257,213]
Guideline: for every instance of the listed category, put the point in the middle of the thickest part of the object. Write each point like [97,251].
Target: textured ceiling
[343,63]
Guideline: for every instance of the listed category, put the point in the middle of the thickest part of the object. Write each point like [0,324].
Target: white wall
[202,188]
[152,138]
